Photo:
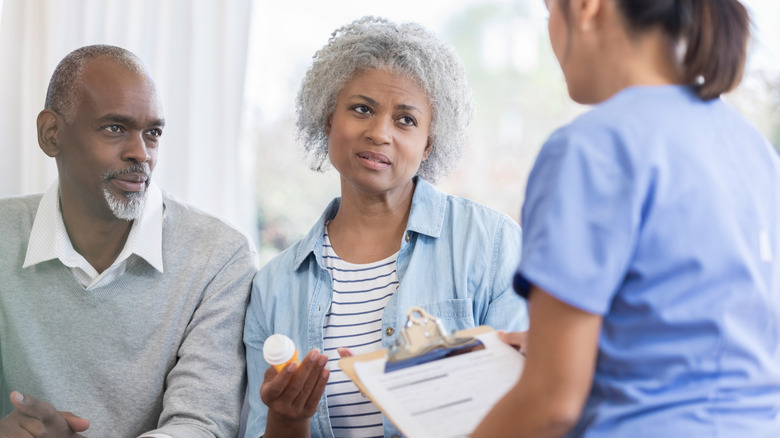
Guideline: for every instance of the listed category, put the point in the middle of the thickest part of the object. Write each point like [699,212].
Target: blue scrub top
[661,212]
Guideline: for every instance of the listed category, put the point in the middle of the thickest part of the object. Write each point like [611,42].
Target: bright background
[228,72]
[518,88]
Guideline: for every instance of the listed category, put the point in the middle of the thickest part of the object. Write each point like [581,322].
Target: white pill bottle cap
[278,349]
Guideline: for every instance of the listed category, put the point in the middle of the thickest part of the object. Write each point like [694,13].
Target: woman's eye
[361,109]
[408,121]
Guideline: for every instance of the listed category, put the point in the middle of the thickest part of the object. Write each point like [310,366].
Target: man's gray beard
[128,209]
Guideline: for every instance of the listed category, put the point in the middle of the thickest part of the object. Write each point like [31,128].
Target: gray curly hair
[408,49]
[62,95]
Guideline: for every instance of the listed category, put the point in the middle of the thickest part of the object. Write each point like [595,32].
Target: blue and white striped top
[360,293]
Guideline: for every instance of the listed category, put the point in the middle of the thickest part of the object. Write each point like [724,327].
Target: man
[117,302]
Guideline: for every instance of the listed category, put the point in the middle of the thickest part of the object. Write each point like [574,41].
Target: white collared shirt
[49,240]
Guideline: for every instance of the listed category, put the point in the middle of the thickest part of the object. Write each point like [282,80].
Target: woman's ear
[328,123]
[428,148]
[47,132]
[584,12]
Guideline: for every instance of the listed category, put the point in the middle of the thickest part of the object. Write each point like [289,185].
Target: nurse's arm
[561,357]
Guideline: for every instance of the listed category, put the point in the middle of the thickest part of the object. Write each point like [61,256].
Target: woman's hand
[548,399]
[518,340]
[292,395]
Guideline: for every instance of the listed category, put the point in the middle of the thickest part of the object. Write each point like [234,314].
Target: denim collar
[426,217]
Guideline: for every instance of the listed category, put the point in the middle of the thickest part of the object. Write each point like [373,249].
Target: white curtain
[196,50]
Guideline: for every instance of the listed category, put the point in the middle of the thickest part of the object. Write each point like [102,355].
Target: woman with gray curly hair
[387,106]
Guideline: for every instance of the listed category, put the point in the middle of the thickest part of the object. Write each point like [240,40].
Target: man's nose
[136,149]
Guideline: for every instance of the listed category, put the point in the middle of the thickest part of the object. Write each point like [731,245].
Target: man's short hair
[62,95]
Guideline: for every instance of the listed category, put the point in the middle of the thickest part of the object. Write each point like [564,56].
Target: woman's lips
[374,160]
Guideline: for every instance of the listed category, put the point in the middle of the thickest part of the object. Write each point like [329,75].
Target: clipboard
[431,383]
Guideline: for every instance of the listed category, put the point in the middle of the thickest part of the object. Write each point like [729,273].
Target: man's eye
[114,129]
[155,132]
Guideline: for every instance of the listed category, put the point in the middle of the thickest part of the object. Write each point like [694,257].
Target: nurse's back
[690,337]
[651,239]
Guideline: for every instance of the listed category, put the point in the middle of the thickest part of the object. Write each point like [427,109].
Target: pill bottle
[279,350]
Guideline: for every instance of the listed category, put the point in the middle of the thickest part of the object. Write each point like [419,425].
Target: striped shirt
[360,294]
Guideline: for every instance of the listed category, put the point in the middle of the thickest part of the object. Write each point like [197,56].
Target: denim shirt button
[407,237]
[389,331]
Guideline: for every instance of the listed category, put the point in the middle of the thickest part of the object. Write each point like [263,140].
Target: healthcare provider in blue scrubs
[651,243]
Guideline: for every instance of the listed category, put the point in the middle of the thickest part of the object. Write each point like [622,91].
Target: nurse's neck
[633,59]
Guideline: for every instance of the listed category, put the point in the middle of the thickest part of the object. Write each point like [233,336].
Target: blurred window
[518,88]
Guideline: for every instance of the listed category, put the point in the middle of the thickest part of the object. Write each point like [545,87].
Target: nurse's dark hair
[715,35]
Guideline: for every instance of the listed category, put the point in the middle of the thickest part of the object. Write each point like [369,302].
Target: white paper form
[447,397]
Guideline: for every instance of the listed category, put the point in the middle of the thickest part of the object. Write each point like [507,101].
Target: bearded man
[118,303]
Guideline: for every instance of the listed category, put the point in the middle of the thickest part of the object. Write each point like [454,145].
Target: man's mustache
[133,168]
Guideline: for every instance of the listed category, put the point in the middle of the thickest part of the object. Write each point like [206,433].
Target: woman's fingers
[519,340]
[275,383]
[292,392]
[315,364]
[316,394]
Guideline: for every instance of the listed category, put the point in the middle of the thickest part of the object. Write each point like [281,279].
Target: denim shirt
[456,261]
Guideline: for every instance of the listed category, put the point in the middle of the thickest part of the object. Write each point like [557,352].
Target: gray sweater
[149,352]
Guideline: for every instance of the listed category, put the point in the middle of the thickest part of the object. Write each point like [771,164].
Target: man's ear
[47,132]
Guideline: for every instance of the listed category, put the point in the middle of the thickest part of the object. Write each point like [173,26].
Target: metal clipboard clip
[423,340]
